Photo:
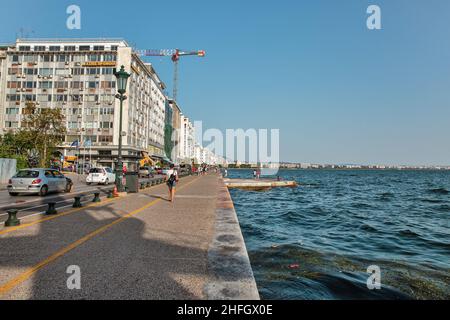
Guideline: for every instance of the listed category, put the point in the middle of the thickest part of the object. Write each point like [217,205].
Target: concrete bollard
[149,184]
[143,184]
[12,218]
[96,197]
[110,194]
[51,209]
[77,203]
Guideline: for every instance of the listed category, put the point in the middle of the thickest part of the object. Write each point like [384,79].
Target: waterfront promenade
[137,247]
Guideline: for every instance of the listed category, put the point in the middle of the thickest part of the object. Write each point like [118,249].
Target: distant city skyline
[339,93]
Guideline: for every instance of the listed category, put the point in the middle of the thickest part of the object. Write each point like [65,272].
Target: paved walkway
[137,247]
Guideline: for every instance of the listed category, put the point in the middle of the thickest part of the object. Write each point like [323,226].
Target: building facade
[77,76]
[187,140]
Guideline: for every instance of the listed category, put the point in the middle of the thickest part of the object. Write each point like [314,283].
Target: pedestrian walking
[172,180]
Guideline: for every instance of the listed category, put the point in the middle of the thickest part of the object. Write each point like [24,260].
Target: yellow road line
[26,225]
[5,288]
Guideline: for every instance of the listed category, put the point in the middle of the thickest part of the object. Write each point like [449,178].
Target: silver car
[39,181]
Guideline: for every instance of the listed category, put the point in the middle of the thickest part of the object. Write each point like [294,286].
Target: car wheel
[13,194]
[88,183]
[43,192]
[68,188]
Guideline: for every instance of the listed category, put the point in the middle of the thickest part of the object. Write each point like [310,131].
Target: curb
[228,259]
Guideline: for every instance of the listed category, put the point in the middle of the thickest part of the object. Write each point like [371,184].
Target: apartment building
[187,140]
[77,76]
[176,131]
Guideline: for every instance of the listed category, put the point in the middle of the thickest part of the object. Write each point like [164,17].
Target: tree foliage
[42,131]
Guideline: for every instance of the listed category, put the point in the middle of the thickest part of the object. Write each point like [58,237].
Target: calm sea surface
[317,241]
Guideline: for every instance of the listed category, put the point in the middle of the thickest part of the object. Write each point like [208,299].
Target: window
[114,48]
[60,98]
[78,58]
[108,84]
[15,58]
[93,71]
[14,71]
[94,57]
[44,97]
[90,125]
[75,111]
[11,124]
[109,57]
[99,48]
[48,58]
[78,71]
[30,71]
[77,85]
[45,84]
[62,72]
[93,139]
[105,139]
[85,48]
[55,48]
[91,111]
[106,125]
[29,97]
[29,84]
[62,58]
[106,111]
[45,72]
[107,98]
[107,71]
[92,84]
[39,48]
[12,110]
[77,97]
[61,85]
[14,84]
[73,125]
[69,48]
[30,58]
[13,97]
[24,48]
[91,98]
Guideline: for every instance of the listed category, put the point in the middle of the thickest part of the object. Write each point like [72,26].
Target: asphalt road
[29,205]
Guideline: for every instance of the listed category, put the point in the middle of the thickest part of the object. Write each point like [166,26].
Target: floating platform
[261,184]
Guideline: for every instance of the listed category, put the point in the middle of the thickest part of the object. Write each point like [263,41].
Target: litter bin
[132,179]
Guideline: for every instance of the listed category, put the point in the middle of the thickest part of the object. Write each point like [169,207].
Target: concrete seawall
[228,259]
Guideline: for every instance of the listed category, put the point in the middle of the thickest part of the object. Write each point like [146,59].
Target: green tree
[44,129]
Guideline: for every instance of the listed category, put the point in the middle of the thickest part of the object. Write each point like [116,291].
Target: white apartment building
[187,140]
[77,76]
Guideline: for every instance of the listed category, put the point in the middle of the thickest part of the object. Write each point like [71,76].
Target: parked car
[101,176]
[146,172]
[39,181]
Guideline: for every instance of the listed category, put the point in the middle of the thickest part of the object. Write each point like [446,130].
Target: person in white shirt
[172,179]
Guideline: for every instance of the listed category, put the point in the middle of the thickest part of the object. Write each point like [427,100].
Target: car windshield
[27,174]
[96,170]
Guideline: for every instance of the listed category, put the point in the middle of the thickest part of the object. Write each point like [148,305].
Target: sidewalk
[138,247]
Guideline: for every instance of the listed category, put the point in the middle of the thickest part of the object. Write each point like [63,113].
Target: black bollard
[96,197]
[12,218]
[51,209]
[77,203]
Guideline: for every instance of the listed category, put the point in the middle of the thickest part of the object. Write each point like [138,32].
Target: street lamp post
[122,78]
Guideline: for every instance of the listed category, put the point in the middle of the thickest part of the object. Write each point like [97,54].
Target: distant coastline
[343,168]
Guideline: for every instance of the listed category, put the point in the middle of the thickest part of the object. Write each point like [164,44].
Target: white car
[101,176]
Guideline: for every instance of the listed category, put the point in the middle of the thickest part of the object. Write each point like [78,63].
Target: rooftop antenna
[24,33]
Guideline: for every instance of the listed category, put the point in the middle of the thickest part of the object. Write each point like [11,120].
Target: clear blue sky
[339,92]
